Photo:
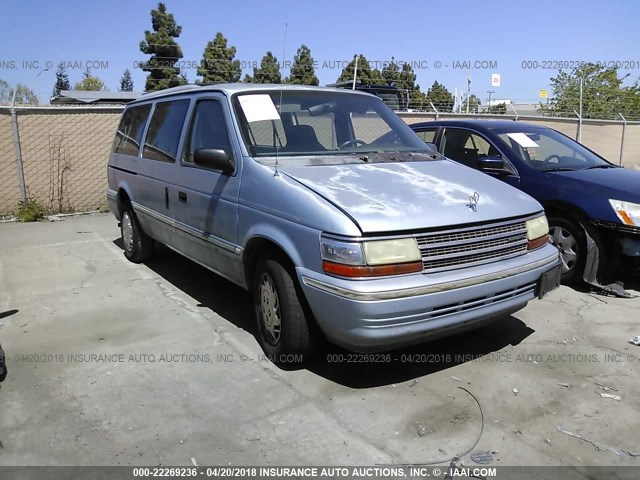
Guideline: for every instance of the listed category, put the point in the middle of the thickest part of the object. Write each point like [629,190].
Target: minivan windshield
[319,123]
[546,150]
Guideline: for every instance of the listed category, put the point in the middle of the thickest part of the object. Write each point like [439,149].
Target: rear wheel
[284,327]
[138,246]
[570,239]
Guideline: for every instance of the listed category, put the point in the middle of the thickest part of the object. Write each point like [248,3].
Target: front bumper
[380,314]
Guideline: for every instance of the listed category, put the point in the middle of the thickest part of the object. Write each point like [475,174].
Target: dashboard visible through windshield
[298,123]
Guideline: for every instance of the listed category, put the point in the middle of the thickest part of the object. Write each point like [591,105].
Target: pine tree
[164,51]
[441,98]
[268,72]
[218,64]
[364,74]
[302,70]
[408,82]
[62,80]
[391,73]
[126,82]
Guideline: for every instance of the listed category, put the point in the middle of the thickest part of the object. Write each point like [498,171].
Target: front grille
[472,246]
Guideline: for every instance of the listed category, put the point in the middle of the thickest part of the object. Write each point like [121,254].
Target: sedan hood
[622,183]
[411,196]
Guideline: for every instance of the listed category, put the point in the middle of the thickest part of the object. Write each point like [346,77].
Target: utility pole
[489,103]
[468,91]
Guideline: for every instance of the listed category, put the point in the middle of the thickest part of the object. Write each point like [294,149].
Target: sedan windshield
[547,150]
[320,123]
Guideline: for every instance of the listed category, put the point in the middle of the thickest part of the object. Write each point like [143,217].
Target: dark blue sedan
[593,206]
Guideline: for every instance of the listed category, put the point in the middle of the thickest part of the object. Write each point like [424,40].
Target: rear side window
[165,129]
[130,130]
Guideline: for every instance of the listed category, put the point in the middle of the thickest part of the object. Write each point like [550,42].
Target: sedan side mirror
[491,164]
[214,158]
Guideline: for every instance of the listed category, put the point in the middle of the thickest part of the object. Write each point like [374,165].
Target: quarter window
[165,130]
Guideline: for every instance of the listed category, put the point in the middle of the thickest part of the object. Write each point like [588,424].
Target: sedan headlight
[373,258]
[628,213]
[537,232]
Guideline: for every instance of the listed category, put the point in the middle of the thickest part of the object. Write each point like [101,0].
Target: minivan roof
[231,88]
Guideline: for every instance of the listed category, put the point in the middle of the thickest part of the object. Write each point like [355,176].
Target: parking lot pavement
[115,363]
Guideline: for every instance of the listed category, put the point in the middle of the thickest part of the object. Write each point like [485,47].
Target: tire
[285,328]
[570,239]
[138,246]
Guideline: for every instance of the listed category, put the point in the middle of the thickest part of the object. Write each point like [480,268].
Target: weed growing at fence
[30,210]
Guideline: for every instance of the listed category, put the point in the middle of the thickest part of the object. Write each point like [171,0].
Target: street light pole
[46,69]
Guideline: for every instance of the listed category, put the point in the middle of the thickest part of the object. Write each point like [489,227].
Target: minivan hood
[410,196]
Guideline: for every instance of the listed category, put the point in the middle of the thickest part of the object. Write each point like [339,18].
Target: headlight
[374,258]
[382,252]
[537,232]
[628,213]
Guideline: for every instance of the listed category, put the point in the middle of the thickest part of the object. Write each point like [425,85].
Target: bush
[30,210]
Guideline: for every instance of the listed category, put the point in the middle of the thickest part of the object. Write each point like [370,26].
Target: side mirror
[432,146]
[491,164]
[214,158]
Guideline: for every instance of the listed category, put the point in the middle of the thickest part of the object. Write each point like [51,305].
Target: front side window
[130,130]
[464,146]
[165,130]
[326,123]
[208,129]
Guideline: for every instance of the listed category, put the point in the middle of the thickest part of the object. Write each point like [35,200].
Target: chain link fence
[64,151]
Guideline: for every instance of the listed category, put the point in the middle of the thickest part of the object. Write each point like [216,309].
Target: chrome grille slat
[478,248]
[473,246]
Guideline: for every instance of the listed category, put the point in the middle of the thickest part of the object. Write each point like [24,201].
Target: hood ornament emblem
[473,201]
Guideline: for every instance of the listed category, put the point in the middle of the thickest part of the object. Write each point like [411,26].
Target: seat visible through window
[302,138]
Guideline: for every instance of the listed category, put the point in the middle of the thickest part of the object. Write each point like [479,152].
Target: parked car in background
[294,194]
[585,196]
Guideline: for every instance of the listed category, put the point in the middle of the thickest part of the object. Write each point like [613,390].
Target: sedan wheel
[567,245]
[569,237]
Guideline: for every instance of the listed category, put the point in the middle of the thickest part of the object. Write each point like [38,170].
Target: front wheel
[284,328]
[569,238]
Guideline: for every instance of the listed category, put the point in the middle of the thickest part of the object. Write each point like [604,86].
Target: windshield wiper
[600,166]
[557,169]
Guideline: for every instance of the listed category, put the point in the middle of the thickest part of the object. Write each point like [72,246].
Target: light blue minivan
[323,204]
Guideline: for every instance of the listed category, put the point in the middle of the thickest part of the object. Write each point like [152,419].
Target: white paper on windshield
[523,140]
[258,107]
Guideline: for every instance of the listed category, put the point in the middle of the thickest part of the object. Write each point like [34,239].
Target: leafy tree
[268,72]
[603,95]
[441,98]
[24,95]
[62,80]
[6,92]
[126,82]
[90,83]
[164,51]
[302,70]
[218,64]
[499,109]
[364,74]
